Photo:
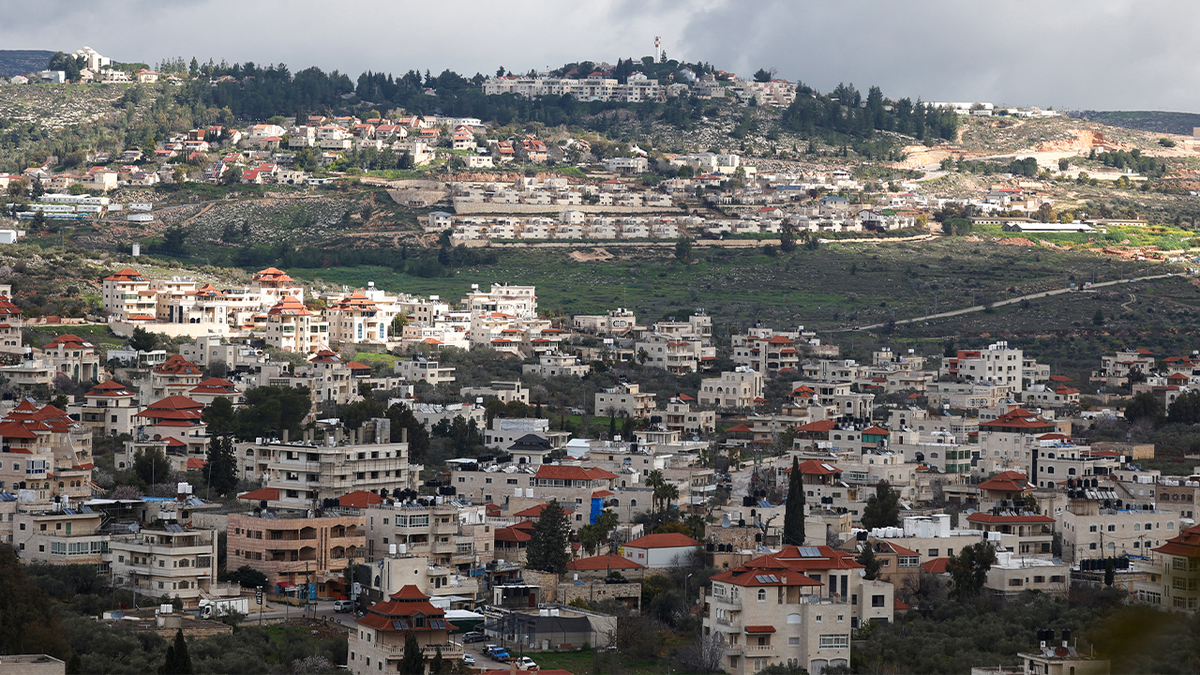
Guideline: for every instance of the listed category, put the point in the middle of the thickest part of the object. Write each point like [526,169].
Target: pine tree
[178,661]
[413,661]
[883,508]
[1110,572]
[436,665]
[793,515]
[220,470]
[866,558]
[551,536]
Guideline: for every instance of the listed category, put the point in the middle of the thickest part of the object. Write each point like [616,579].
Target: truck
[497,653]
[219,607]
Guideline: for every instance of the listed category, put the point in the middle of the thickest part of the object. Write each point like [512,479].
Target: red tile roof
[980,517]
[536,511]
[359,499]
[607,561]
[664,540]
[261,494]
[935,566]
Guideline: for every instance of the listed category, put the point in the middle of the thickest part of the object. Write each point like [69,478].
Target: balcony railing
[726,601]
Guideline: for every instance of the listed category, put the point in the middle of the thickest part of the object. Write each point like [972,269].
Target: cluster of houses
[638,87]
[983,452]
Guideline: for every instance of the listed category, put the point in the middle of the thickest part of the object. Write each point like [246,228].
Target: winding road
[1001,303]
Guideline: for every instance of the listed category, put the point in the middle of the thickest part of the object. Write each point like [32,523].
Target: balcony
[726,601]
[759,650]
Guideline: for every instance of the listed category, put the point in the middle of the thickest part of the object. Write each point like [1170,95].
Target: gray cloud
[1102,54]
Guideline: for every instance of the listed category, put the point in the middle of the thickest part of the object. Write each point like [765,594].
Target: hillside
[1158,121]
[22,61]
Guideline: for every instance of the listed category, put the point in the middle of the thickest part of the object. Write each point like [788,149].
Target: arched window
[762,594]
[794,618]
[632,503]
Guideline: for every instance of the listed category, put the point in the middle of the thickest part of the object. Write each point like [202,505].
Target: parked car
[473,636]
[341,606]
[497,653]
[526,663]
[468,659]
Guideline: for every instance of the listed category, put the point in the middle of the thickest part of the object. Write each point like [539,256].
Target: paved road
[1032,296]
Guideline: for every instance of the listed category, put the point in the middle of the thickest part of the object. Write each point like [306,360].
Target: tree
[270,410]
[866,558]
[793,515]
[220,417]
[1185,409]
[1098,318]
[413,661]
[655,480]
[1110,572]
[28,619]
[178,661]
[436,665]
[764,75]
[220,469]
[683,249]
[666,493]
[548,547]
[402,418]
[151,467]
[883,508]
[1145,408]
[968,570]
[248,577]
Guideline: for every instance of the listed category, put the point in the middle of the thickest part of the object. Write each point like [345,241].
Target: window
[793,641]
[877,601]
[834,642]
[1092,528]
[1015,582]
[1112,528]
[762,594]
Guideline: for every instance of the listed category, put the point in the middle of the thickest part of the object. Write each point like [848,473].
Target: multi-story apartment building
[173,377]
[456,536]
[63,536]
[356,319]
[302,475]
[624,400]
[741,388]
[127,294]
[292,328]
[1180,557]
[419,369]
[108,409]
[997,364]
[794,608]
[1096,524]
[307,552]
[11,321]
[165,561]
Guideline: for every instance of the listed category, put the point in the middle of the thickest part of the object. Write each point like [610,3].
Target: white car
[526,663]
[468,659]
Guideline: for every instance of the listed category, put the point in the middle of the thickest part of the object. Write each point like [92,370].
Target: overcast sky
[1098,54]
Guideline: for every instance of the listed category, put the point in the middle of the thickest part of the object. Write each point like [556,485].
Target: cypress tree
[413,661]
[793,515]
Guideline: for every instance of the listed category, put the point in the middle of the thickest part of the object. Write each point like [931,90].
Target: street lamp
[685,588]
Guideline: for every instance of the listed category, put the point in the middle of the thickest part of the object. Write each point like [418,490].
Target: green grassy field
[837,286]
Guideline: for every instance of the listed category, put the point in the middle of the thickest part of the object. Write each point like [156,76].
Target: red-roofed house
[177,417]
[1008,441]
[74,357]
[108,407]
[799,606]
[127,293]
[1181,569]
[660,550]
[174,377]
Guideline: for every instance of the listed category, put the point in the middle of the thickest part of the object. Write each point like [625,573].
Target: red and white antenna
[657,47]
